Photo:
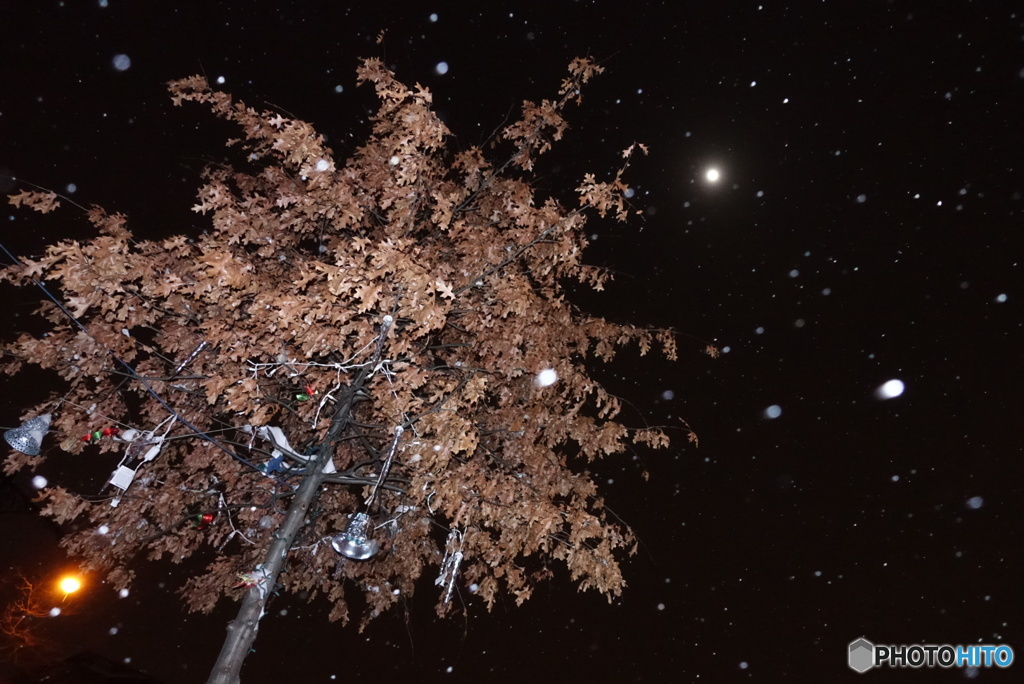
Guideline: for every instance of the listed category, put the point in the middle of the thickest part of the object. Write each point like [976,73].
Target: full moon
[712,175]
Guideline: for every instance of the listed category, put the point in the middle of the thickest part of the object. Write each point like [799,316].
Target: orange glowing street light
[69,585]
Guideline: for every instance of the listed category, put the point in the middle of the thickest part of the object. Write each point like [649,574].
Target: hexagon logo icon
[862,655]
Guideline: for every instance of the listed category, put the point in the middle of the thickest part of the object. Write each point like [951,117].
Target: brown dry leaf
[286,287]
[43,202]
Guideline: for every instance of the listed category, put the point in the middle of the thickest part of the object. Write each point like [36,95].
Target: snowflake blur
[890,389]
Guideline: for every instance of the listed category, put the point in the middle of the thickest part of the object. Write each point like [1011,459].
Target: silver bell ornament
[354,542]
[28,437]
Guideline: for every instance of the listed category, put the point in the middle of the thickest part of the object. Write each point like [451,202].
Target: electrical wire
[130,370]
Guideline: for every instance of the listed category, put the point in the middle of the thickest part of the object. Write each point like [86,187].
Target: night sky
[866,227]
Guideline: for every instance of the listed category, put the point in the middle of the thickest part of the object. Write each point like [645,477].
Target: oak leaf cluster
[283,297]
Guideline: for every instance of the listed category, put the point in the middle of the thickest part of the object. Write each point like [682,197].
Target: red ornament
[203,521]
[110,431]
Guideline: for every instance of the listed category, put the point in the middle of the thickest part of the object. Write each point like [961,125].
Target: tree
[19,621]
[388,336]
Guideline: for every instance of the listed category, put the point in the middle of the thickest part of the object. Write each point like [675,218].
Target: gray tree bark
[242,630]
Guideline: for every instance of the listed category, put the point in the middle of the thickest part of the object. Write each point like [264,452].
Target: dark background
[867,227]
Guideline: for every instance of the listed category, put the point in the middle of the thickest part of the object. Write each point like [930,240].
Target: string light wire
[130,370]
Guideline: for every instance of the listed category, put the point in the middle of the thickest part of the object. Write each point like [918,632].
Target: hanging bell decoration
[354,542]
[28,437]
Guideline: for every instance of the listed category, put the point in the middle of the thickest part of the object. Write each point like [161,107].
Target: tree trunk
[242,630]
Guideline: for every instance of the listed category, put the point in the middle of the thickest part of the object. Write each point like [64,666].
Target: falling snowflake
[122,62]
[546,377]
[890,389]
